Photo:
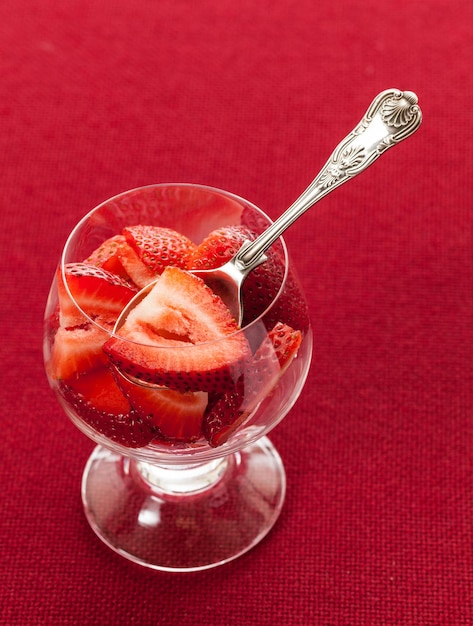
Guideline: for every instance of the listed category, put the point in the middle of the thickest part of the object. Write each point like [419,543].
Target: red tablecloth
[251,96]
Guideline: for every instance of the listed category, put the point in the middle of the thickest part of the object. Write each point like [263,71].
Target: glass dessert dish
[179,399]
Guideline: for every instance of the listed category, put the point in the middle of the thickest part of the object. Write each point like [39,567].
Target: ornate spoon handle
[392,116]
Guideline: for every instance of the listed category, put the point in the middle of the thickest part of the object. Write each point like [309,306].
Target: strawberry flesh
[181,336]
[98,292]
[77,350]
[78,342]
[118,257]
[178,416]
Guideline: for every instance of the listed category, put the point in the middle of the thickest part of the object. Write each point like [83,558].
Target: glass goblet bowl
[183,476]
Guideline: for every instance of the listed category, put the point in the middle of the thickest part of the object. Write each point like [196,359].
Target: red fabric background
[251,96]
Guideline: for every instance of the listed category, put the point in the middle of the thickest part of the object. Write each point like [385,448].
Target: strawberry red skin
[224,415]
[78,341]
[219,246]
[286,342]
[96,291]
[117,256]
[107,255]
[262,285]
[227,411]
[97,399]
[186,373]
[159,247]
[178,416]
[291,307]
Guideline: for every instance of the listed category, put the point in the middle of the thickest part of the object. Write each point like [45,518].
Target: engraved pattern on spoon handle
[392,116]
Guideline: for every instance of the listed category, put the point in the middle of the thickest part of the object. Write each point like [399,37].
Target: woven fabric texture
[252,96]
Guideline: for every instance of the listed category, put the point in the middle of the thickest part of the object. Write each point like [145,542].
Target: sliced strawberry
[69,314]
[224,415]
[270,361]
[78,342]
[181,336]
[262,284]
[159,247]
[218,247]
[261,375]
[177,415]
[286,342]
[97,399]
[117,256]
[106,255]
[227,411]
[77,350]
[96,291]
[134,267]
[100,392]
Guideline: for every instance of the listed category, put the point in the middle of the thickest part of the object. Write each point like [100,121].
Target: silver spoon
[392,116]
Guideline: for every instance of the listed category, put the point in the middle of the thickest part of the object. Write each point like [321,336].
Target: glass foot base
[184,518]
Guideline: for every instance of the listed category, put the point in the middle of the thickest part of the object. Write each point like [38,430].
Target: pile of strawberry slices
[179,370]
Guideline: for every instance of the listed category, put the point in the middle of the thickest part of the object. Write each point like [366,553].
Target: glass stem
[179,479]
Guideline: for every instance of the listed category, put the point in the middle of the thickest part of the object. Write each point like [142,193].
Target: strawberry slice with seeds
[134,267]
[78,342]
[224,415]
[262,284]
[286,342]
[77,350]
[98,292]
[117,256]
[177,415]
[226,412]
[97,399]
[107,255]
[219,246]
[158,247]
[182,336]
